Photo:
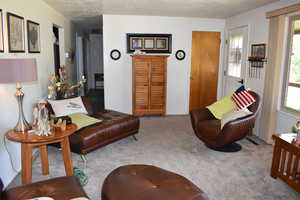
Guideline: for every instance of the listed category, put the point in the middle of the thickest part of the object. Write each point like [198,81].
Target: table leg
[44,159]
[26,156]
[65,145]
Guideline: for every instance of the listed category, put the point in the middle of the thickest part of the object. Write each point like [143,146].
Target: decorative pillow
[242,98]
[83,120]
[233,115]
[42,198]
[68,106]
[222,106]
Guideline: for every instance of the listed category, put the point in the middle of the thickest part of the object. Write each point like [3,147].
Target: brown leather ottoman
[62,188]
[144,182]
[115,126]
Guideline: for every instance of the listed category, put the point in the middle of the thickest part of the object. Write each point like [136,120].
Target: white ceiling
[78,10]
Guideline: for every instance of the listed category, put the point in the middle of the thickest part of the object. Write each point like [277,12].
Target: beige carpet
[169,142]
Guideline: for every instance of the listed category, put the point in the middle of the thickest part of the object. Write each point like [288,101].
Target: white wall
[258,33]
[118,82]
[41,13]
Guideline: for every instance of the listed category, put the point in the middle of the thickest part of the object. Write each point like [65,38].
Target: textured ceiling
[78,10]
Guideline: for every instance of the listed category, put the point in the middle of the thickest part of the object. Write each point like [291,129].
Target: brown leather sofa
[62,188]
[145,182]
[208,129]
[115,126]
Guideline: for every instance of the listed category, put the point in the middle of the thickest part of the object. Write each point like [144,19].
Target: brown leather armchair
[208,129]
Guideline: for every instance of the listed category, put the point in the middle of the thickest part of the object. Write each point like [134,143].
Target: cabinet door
[141,84]
[157,84]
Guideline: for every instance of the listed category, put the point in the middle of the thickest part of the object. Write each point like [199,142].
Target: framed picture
[161,43]
[258,50]
[1,32]
[149,43]
[16,36]
[33,37]
[136,43]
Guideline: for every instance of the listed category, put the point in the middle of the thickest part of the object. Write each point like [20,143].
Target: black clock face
[180,55]
[115,54]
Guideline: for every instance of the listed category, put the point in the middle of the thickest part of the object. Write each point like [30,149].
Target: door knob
[241,81]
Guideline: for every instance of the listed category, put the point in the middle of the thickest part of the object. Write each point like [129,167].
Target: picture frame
[1,32]
[16,33]
[33,37]
[149,43]
[258,51]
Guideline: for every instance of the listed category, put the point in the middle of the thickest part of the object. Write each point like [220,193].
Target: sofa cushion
[68,106]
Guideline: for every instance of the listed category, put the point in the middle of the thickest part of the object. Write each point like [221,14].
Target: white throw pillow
[68,106]
[42,198]
[235,114]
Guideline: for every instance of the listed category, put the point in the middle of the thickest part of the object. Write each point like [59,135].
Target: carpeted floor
[169,142]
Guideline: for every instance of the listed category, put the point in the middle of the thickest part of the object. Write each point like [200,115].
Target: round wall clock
[180,55]
[115,54]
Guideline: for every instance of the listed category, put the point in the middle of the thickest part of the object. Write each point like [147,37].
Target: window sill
[290,112]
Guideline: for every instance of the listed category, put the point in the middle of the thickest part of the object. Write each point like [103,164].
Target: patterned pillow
[242,98]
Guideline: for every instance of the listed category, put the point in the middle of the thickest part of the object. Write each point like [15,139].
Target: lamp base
[22,125]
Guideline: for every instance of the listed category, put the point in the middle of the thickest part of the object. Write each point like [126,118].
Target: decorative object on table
[66,118]
[115,54]
[180,55]
[61,89]
[16,70]
[60,125]
[296,129]
[257,60]
[16,36]
[149,43]
[33,37]
[81,176]
[41,123]
[1,32]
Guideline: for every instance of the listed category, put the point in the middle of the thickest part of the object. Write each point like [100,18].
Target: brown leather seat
[208,129]
[115,126]
[62,188]
[144,182]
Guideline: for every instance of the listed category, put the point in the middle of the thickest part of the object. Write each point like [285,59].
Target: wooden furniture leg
[65,145]
[276,159]
[26,163]
[44,159]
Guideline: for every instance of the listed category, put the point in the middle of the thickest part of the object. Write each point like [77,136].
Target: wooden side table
[286,156]
[30,140]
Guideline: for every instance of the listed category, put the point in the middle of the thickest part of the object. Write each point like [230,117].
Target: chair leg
[135,138]
[84,159]
[229,148]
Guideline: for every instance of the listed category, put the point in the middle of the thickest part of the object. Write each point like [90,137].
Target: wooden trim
[283,11]
[294,85]
[149,56]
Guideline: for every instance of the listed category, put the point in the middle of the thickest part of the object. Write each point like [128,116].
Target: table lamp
[18,70]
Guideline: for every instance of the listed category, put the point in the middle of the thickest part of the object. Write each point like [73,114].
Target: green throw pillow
[83,120]
[222,106]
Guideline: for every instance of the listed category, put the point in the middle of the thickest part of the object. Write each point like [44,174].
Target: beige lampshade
[18,70]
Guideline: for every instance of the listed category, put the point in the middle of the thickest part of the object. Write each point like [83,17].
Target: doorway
[236,61]
[205,68]
[56,49]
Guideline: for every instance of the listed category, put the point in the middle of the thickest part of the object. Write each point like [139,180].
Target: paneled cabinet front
[149,84]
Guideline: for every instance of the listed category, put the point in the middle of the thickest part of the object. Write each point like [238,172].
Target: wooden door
[141,85]
[205,68]
[157,85]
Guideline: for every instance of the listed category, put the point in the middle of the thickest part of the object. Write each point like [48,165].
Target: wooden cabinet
[149,76]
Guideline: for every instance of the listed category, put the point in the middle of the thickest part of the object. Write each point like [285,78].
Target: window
[235,55]
[292,89]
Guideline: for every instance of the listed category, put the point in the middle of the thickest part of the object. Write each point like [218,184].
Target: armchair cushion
[224,105]
[233,115]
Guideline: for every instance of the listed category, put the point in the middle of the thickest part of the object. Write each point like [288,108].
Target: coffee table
[30,140]
[286,156]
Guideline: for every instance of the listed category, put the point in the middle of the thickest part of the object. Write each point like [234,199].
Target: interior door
[141,87]
[205,68]
[234,74]
[79,60]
